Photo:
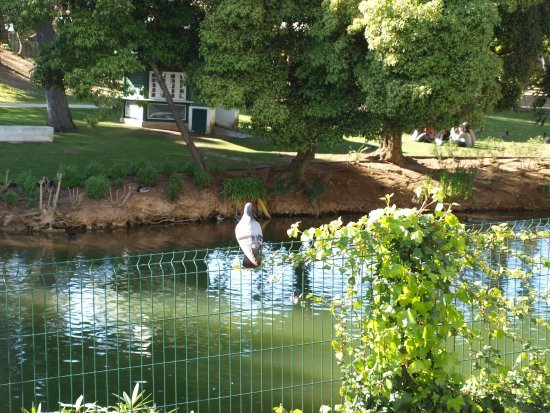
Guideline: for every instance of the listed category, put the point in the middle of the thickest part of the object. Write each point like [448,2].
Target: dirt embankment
[504,186]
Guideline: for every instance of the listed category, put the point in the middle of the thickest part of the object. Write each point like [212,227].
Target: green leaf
[456,404]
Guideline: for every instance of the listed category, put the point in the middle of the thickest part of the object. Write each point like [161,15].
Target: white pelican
[249,236]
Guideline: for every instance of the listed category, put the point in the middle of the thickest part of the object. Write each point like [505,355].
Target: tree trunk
[182,128]
[390,148]
[300,163]
[3,31]
[59,114]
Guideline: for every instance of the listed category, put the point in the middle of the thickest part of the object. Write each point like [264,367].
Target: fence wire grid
[197,331]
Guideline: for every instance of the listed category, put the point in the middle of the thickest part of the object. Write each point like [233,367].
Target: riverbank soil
[501,186]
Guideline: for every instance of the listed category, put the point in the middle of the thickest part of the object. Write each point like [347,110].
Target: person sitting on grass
[427,136]
[462,138]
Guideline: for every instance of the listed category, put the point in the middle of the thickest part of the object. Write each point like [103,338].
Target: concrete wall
[18,134]
[227,118]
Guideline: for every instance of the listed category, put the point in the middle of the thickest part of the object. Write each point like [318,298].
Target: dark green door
[199,116]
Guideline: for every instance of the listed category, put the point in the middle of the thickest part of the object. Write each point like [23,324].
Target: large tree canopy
[290,65]
[429,63]
[105,40]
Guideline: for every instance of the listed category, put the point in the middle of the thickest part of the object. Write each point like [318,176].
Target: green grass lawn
[12,95]
[111,141]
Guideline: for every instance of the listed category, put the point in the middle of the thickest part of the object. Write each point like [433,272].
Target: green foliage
[315,189]
[147,174]
[520,389]
[28,184]
[519,42]
[168,168]
[94,168]
[97,186]
[407,278]
[430,62]
[545,187]
[71,177]
[119,170]
[244,188]
[10,197]
[458,184]
[175,186]
[118,182]
[189,168]
[202,179]
[137,165]
[6,46]
[296,81]
[137,402]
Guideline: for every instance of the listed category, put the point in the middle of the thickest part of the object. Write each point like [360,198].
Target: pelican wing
[250,238]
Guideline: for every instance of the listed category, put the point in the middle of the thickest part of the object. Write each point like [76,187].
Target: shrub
[71,178]
[28,184]
[175,186]
[118,182]
[119,170]
[315,189]
[136,402]
[94,168]
[97,187]
[147,175]
[245,188]
[190,168]
[202,179]
[138,165]
[458,184]
[10,197]
[167,168]
[408,281]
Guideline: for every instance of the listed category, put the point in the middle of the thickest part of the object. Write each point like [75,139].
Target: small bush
[10,197]
[215,168]
[240,189]
[71,177]
[147,175]
[118,182]
[94,168]
[175,186]
[202,179]
[97,187]
[137,166]
[28,184]
[190,168]
[458,184]
[315,189]
[119,170]
[168,168]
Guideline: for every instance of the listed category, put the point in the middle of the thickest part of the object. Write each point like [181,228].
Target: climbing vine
[409,281]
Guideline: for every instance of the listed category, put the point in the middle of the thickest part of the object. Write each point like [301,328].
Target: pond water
[169,307]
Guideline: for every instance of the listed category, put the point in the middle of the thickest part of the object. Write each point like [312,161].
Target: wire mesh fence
[194,328]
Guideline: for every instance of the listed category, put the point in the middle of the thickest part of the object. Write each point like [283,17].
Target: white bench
[19,134]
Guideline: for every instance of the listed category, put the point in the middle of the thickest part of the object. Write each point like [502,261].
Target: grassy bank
[111,141]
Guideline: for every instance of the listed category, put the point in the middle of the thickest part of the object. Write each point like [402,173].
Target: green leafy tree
[290,65]
[430,63]
[407,285]
[102,41]
[44,18]
[3,29]
[519,41]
